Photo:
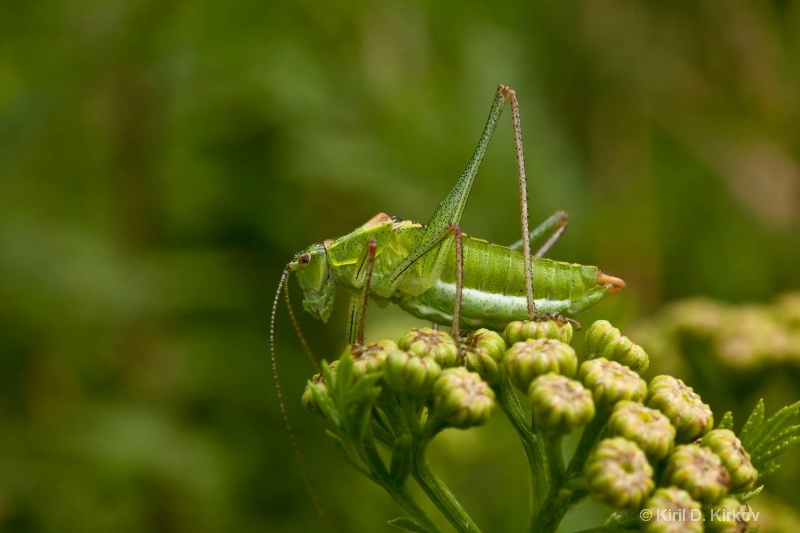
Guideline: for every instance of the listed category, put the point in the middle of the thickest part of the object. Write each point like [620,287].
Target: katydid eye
[304,259]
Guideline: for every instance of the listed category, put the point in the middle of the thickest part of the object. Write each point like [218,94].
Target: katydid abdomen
[494,288]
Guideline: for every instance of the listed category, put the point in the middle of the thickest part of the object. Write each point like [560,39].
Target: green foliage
[765,440]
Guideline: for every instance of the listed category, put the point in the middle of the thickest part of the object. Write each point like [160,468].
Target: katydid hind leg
[452,207]
[523,199]
[548,233]
[456,329]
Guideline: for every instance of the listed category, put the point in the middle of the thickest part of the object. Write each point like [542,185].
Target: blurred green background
[160,162]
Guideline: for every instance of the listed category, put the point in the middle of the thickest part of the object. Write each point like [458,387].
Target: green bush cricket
[415,266]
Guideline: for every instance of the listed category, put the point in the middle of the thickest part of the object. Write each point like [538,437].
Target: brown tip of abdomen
[613,282]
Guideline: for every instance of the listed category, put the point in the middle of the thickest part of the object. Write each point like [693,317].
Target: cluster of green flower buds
[662,428]
[653,445]
[427,364]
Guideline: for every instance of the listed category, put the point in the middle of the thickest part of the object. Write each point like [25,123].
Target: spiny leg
[551,229]
[456,330]
[523,199]
[452,207]
[357,312]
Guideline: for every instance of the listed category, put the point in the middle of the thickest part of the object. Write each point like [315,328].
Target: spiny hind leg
[511,96]
[456,330]
[547,233]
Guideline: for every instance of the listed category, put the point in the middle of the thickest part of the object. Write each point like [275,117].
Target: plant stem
[531,442]
[555,460]
[435,488]
[591,433]
[369,454]
[564,494]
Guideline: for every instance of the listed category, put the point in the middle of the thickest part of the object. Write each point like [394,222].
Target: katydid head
[316,280]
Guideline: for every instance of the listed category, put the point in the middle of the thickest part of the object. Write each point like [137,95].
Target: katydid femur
[414,265]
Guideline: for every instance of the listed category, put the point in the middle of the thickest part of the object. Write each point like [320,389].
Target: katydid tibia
[414,265]
[436,273]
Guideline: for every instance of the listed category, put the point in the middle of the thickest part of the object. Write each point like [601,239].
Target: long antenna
[298,455]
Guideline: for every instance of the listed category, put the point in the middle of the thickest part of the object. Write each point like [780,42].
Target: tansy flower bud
[308,400]
[698,471]
[671,510]
[317,381]
[369,359]
[427,342]
[522,330]
[648,428]
[684,408]
[727,516]
[461,398]
[559,404]
[611,382]
[618,474]
[736,460]
[409,374]
[535,357]
[483,351]
[604,340]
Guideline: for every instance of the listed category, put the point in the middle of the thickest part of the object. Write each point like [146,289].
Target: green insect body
[416,266]
[494,291]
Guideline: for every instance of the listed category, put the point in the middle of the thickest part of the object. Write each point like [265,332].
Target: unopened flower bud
[308,399]
[648,428]
[698,471]
[684,408]
[618,474]
[727,516]
[461,398]
[559,404]
[671,510]
[483,351]
[524,361]
[736,460]
[611,382]
[369,359]
[427,342]
[409,374]
[522,330]
[604,340]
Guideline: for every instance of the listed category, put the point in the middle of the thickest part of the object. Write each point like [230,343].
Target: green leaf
[744,498]
[726,422]
[407,524]
[326,405]
[767,439]
[753,423]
